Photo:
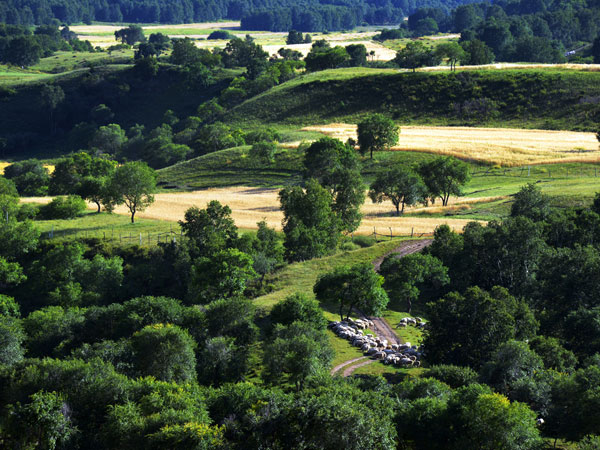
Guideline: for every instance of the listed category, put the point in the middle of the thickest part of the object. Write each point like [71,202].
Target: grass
[545,98]
[113,227]
[301,276]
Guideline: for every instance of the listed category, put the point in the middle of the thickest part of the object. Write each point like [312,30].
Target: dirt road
[380,326]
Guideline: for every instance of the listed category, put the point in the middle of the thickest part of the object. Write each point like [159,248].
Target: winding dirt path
[380,325]
[405,248]
[346,363]
[351,369]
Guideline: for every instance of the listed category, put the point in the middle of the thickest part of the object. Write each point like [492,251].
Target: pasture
[506,147]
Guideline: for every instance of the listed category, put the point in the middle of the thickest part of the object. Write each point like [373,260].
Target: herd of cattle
[402,355]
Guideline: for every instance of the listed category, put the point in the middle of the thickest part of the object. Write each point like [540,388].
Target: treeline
[513,31]
[274,15]
[21,47]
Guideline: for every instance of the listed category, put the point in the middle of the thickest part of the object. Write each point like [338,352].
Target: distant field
[501,146]
[251,205]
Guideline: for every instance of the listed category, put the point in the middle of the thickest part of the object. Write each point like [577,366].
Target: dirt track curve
[380,326]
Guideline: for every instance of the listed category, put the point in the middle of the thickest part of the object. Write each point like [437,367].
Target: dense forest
[275,15]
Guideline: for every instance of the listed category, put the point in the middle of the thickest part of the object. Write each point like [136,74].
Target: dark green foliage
[444,177]
[210,230]
[130,35]
[554,355]
[30,177]
[133,184]
[233,317]
[311,227]
[376,133]
[467,329]
[416,55]
[245,53]
[511,363]
[405,277]
[263,151]
[530,202]
[63,208]
[11,339]
[42,422]
[298,308]
[298,351]
[401,185]
[221,361]
[358,286]
[477,53]
[575,406]
[165,352]
[336,167]
[453,376]
[322,57]
[224,274]
[220,35]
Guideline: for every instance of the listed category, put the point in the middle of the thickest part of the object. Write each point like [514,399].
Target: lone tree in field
[400,185]
[133,184]
[356,286]
[130,35]
[444,177]
[376,133]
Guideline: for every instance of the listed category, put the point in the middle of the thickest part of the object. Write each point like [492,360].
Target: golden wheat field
[251,205]
[502,146]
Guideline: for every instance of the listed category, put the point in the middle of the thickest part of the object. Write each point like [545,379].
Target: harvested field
[503,146]
[251,205]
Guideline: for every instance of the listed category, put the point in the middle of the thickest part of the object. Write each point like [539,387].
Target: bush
[348,246]
[63,208]
[453,376]
[27,211]
[363,241]
[220,34]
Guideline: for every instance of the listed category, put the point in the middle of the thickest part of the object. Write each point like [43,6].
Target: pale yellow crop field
[503,146]
[251,205]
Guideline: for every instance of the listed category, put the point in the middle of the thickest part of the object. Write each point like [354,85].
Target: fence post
[412,231]
[140,239]
[391,234]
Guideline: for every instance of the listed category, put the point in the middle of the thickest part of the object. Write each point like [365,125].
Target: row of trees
[20,47]
[281,15]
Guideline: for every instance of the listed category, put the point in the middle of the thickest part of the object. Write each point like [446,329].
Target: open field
[251,205]
[501,146]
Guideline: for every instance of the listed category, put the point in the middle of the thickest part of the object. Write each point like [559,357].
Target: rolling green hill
[531,98]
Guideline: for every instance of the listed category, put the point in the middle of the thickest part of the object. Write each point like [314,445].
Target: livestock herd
[402,355]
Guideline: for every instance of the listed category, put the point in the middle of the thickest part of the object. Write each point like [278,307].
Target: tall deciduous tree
[311,227]
[399,185]
[376,133]
[405,276]
[130,35]
[297,351]
[337,168]
[358,286]
[133,184]
[416,55]
[211,229]
[453,51]
[444,177]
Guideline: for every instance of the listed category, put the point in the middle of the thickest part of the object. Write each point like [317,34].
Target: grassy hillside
[532,98]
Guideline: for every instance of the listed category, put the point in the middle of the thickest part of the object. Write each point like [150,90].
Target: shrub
[348,246]
[63,208]
[27,211]
[453,376]
[363,241]
[220,34]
